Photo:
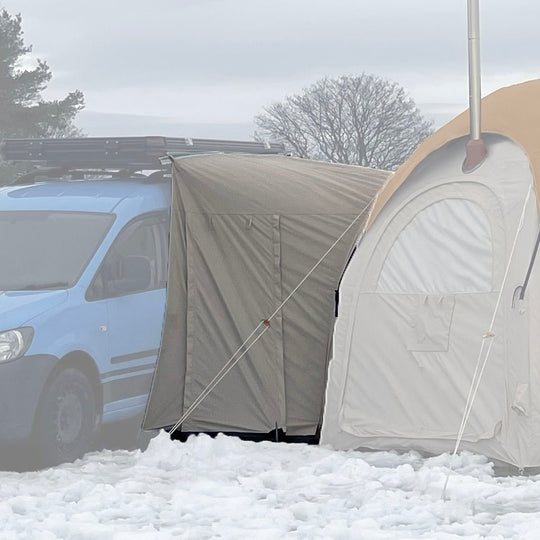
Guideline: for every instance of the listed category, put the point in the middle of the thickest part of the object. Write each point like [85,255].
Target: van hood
[17,308]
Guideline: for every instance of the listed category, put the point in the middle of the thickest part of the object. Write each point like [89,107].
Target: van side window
[134,263]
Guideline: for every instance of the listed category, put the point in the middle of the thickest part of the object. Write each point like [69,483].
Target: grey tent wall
[308,318]
[233,283]
[245,230]
[173,354]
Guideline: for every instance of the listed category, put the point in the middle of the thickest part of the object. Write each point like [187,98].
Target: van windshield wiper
[44,286]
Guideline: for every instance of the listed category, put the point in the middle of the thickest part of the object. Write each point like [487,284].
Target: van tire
[66,419]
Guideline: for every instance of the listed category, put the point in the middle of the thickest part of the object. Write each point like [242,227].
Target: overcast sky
[209,66]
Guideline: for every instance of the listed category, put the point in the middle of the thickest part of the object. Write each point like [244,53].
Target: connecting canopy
[245,231]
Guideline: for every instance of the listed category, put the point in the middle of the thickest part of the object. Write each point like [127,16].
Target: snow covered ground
[228,488]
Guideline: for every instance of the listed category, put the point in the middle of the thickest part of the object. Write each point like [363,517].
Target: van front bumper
[21,383]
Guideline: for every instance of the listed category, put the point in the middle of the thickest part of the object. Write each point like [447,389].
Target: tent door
[234,281]
[423,308]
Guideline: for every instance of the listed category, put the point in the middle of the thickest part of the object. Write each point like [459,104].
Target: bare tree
[363,120]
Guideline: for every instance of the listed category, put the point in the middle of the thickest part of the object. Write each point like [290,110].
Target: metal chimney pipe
[475,150]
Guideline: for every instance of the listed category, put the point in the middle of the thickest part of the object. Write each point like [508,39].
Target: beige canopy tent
[440,304]
[245,231]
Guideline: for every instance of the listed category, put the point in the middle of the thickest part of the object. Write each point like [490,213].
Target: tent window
[445,248]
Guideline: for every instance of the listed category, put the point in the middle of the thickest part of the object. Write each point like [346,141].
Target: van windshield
[48,249]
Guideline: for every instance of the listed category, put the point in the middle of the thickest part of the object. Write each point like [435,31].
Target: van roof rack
[128,153]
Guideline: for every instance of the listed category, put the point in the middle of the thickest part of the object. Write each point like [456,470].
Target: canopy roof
[246,183]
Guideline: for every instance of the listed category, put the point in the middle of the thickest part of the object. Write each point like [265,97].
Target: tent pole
[475,149]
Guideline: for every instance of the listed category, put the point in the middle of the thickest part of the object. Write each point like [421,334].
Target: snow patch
[227,488]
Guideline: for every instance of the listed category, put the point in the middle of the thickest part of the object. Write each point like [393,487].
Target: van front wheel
[66,418]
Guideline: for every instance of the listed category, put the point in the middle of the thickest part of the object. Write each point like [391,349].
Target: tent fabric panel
[500,187]
[462,262]
[165,406]
[424,389]
[231,272]
[486,222]
[530,309]
[518,431]
[245,186]
[331,432]
[273,184]
[511,111]
[308,317]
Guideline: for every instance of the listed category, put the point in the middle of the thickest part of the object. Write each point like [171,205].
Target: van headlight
[14,343]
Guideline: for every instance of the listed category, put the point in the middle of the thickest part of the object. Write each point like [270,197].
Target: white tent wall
[416,301]
[529,425]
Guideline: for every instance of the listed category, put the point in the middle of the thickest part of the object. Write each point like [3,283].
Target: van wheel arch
[66,370]
[85,363]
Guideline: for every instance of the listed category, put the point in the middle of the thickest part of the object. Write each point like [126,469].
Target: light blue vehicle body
[113,340]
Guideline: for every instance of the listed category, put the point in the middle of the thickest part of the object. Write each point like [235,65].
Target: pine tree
[23,111]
